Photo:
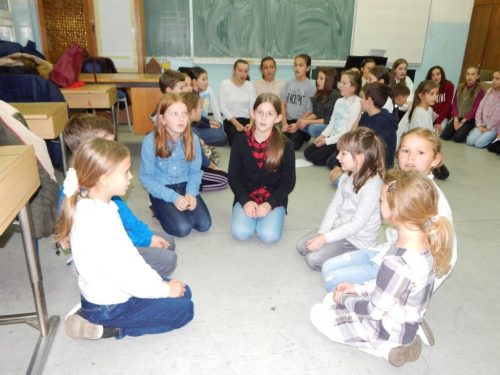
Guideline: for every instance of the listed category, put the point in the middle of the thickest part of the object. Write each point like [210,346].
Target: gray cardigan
[351,216]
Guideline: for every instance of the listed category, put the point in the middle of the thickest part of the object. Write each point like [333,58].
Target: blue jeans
[211,136]
[315,130]
[481,140]
[179,223]
[142,316]
[269,227]
[354,267]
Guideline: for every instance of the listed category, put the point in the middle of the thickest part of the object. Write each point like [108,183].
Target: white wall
[115,32]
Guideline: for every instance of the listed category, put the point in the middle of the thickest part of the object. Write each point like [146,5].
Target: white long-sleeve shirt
[345,113]
[109,266]
[209,102]
[236,101]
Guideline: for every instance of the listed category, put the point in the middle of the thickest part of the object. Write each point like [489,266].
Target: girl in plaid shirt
[261,174]
[382,316]
[487,117]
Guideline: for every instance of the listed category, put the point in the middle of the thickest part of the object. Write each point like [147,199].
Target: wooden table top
[123,79]
[40,110]
[89,89]
[18,181]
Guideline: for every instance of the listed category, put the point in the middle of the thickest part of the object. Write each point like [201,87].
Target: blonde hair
[93,159]
[161,134]
[429,136]
[413,201]
[364,141]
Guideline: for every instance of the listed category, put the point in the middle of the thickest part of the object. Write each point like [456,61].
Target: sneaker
[402,354]
[75,310]
[77,327]
[425,333]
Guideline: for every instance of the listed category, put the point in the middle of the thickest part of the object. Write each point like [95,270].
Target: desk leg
[115,123]
[47,330]
[63,154]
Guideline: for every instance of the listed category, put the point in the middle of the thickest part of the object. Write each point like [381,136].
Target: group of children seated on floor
[378,294]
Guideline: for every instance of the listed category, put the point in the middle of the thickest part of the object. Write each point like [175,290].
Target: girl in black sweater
[261,174]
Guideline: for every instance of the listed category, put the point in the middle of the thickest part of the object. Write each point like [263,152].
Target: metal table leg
[63,154]
[115,123]
[47,328]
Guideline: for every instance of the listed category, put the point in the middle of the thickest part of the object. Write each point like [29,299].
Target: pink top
[488,113]
[472,112]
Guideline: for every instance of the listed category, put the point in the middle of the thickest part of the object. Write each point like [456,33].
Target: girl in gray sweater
[352,220]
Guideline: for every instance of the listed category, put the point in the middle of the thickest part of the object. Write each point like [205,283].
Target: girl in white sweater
[236,97]
[121,295]
[352,220]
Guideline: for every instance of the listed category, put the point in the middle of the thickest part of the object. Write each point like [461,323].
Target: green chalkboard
[250,28]
[278,28]
[167,28]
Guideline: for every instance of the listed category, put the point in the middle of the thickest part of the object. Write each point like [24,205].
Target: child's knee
[241,232]
[312,261]
[269,236]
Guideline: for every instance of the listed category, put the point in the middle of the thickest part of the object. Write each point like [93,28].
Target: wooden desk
[19,180]
[144,94]
[47,120]
[91,97]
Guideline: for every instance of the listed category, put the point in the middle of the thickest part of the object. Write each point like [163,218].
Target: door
[65,22]
[478,33]
[491,56]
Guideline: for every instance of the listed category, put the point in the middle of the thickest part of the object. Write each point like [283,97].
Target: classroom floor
[252,300]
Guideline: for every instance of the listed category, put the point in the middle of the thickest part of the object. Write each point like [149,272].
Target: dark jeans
[319,155]
[179,223]
[142,316]
[459,135]
[230,129]
[298,138]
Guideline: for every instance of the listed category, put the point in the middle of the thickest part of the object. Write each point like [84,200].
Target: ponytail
[439,235]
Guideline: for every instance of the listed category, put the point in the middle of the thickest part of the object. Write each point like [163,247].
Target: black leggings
[319,155]
[298,138]
[459,135]
[231,130]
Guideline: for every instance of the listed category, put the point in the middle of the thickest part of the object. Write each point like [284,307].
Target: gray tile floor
[252,300]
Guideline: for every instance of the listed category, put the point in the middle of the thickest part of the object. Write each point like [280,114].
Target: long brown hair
[161,134]
[276,146]
[423,88]
[331,80]
[413,200]
[397,63]
[93,159]
[364,141]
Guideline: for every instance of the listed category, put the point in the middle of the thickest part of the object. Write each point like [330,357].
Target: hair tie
[435,218]
[391,189]
[70,185]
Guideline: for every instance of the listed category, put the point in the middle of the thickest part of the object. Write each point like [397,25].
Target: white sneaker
[73,311]
[78,327]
